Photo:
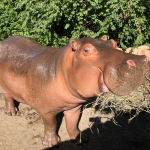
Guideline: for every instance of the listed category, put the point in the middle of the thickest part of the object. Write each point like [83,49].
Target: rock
[141,50]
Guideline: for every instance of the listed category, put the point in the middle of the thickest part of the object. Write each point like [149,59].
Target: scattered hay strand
[138,100]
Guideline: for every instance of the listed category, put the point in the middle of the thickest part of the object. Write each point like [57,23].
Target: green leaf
[67,26]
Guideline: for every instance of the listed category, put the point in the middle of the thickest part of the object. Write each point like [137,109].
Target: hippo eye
[73,50]
[86,50]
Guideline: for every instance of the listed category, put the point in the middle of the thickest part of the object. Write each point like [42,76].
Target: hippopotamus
[53,80]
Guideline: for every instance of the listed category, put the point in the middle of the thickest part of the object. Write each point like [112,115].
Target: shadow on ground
[124,136]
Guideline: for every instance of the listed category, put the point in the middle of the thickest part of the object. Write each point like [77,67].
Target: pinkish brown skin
[53,80]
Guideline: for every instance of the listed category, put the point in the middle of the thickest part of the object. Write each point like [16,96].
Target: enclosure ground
[25,131]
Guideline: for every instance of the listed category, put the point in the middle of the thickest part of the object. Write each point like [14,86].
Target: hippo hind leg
[10,108]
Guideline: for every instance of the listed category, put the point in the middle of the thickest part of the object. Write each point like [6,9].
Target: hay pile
[138,100]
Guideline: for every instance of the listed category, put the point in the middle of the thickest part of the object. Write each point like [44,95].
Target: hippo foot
[51,140]
[11,111]
[81,138]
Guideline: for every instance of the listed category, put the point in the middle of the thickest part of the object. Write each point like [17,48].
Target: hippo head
[97,65]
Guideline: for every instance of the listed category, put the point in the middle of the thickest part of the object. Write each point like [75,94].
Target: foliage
[55,22]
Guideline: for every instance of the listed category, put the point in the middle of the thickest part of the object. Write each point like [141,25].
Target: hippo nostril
[130,62]
[144,58]
[147,59]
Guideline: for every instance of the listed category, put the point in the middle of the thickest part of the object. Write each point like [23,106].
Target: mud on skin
[53,80]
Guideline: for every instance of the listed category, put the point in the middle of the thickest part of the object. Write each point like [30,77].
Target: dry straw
[138,100]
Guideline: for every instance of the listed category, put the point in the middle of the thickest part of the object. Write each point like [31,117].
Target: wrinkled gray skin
[53,80]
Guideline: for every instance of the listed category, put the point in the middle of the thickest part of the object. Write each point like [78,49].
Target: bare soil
[25,131]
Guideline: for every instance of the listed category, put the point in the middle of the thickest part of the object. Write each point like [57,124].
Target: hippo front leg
[10,108]
[50,138]
[72,118]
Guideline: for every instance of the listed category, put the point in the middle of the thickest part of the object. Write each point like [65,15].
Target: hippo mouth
[102,86]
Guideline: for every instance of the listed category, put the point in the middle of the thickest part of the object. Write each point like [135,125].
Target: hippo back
[19,53]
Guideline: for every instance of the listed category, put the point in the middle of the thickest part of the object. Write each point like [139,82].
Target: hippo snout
[141,60]
[124,77]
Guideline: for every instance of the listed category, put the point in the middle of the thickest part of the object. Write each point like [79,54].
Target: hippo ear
[104,38]
[75,45]
[114,44]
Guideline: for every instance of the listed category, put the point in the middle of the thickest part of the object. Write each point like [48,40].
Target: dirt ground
[25,131]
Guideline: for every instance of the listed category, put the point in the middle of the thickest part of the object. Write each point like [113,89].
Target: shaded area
[123,136]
